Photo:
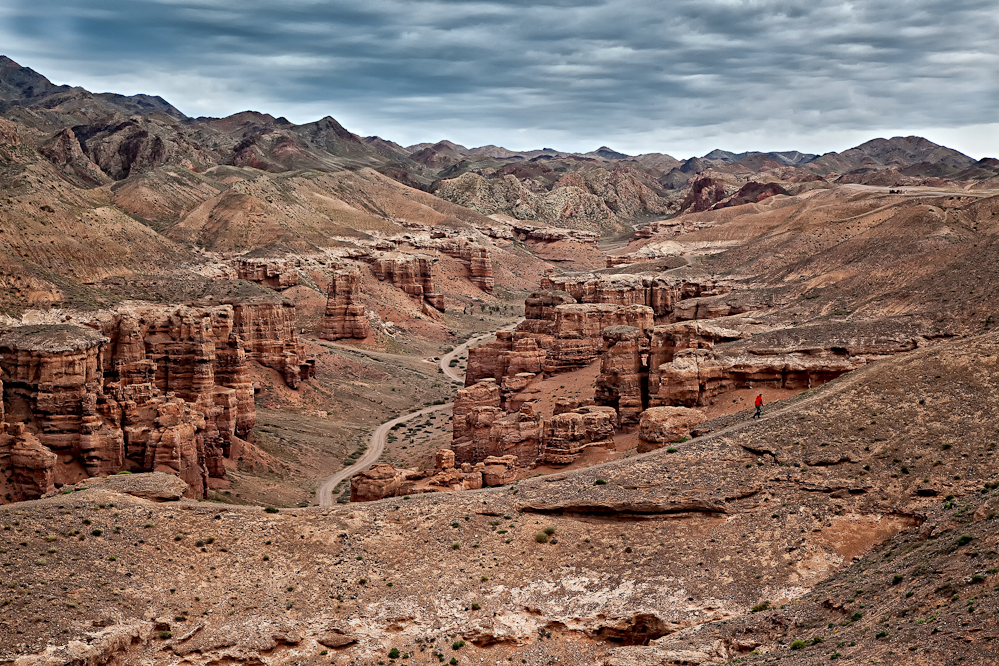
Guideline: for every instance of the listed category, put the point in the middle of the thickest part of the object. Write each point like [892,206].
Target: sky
[676,76]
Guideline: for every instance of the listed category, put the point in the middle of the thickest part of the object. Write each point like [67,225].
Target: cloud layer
[677,76]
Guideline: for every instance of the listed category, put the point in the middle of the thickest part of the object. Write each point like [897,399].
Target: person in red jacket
[759,406]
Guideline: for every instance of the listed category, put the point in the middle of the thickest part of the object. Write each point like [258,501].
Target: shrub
[671,450]
[897,578]
[266,557]
[965,540]
[455,546]
[550,530]
[97,532]
[166,634]
[541,537]
[270,509]
[51,537]
[798,645]
[179,537]
[457,645]
[362,581]
[600,482]
[628,549]
[476,607]
[978,578]
[762,606]
[393,653]
[882,634]
[856,616]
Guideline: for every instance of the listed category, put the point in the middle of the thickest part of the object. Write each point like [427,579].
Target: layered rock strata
[277,274]
[567,435]
[660,426]
[143,388]
[344,317]
[271,339]
[381,481]
[410,273]
[623,380]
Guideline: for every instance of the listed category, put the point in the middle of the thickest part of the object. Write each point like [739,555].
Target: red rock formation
[475,409]
[154,388]
[502,358]
[667,340]
[704,193]
[622,383]
[52,378]
[499,470]
[567,435]
[277,274]
[578,328]
[344,316]
[270,338]
[695,376]
[32,464]
[752,192]
[666,425]
[411,273]
[381,481]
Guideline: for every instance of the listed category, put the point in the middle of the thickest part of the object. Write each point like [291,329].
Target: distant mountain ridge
[97,138]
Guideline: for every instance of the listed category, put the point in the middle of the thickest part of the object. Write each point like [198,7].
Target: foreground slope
[648,549]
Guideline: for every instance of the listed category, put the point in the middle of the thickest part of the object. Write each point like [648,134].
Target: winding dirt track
[376,444]
[379,438]
[446,358]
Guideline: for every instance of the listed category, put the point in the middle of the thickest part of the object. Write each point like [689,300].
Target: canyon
[203,321]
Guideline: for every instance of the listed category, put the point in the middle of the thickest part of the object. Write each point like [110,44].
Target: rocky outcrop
[276,274]
[623,380]
[704,193]
[578,332]
[695,376]
[660,426]
[344,317]
[661,292]
[164,388]
[475,409]
[270,338]
[32,465]
[381,481]
[752,192]
[411,273]
[504,357]
[567,435]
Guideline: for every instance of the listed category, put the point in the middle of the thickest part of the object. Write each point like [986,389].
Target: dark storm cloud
[580,72]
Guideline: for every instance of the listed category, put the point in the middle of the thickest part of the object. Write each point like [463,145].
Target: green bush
[476,607]
[457,645]
[166,634]
[600,482]
[798,645]
[965,540]
[762,606]
[270,509]
[541,537]
[671,450]
[550,530]
[393,653]
[897,578]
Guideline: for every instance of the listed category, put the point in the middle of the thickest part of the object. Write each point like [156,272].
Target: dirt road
[376,445]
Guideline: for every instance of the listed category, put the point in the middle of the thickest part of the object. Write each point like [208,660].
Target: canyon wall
[142,388]
[344,317]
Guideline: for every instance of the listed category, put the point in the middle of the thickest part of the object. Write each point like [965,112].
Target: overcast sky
[675,76]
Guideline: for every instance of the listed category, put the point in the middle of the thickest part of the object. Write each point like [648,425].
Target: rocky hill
[206,317]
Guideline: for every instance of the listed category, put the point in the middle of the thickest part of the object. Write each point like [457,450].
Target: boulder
[666,425]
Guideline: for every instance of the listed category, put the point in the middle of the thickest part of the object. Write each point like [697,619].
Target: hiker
[759,406]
